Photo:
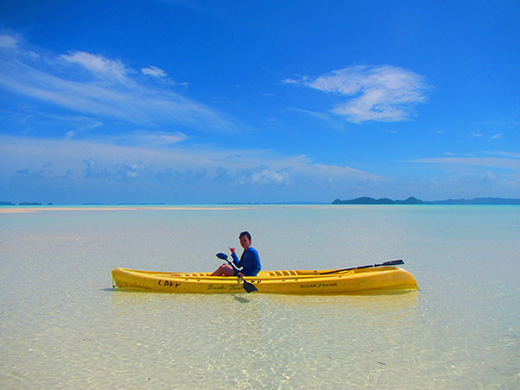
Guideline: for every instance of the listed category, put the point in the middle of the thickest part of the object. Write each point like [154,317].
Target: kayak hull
[375,280]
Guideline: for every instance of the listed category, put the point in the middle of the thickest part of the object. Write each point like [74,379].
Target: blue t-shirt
[249,262]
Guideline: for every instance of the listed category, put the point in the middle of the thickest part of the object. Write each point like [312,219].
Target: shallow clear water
[62,326]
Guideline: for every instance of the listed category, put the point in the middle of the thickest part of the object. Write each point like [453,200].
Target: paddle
[249,287]
[385,264]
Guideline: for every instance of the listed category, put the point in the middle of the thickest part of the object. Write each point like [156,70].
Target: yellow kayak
[361,280]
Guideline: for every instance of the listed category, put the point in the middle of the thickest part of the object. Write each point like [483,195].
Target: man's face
[244,241]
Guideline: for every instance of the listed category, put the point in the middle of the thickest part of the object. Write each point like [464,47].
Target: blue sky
[147,101]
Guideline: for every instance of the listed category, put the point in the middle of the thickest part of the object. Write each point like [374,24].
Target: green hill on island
[413,200]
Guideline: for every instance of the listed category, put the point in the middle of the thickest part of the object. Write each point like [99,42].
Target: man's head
[245,234]
[245,240]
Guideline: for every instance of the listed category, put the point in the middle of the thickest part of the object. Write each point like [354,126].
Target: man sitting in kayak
[249,261]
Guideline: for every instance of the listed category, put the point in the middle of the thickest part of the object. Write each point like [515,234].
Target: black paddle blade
[391,262]
[249,287]
[222,256]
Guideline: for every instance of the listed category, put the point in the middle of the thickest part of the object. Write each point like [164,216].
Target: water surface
[63,326]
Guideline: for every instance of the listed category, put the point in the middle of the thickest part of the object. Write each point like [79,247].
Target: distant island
[412,200]
[2,203]
[365,200]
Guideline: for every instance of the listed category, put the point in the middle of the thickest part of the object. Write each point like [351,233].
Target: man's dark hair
[245,234]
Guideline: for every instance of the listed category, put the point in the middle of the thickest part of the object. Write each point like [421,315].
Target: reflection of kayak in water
[377,279]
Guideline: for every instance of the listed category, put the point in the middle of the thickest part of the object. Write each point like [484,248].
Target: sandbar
[35,209]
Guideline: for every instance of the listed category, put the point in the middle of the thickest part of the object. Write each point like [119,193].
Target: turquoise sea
[62,326]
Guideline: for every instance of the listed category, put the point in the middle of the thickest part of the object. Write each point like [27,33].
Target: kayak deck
[301,282]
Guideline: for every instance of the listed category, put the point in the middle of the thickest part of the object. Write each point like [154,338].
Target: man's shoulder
[253,250]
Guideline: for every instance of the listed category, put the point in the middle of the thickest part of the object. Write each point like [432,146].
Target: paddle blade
[391,262]
[222,256]
[249,287]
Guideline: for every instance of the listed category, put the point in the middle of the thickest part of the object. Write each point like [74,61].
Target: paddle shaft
[249,287]
[385,264]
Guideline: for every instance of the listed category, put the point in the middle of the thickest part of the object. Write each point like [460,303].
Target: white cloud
[154,72]
[109,89]
[87,126]
[339,171]
[504,153]
[144,157]
[382,93]
[266,175]
[8,41]
[481,135]
[147,138]
[97,64]
[292,81]
[320,115]
[505,163]
[488,177]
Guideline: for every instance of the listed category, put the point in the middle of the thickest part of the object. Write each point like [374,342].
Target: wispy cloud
[503,153]
[495,136]
[8,41]
[148,139]
[91,84]
[495,162]
[118,160]
[97,64]
[510,121]
[487,174]
[322,116]
[370,93]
